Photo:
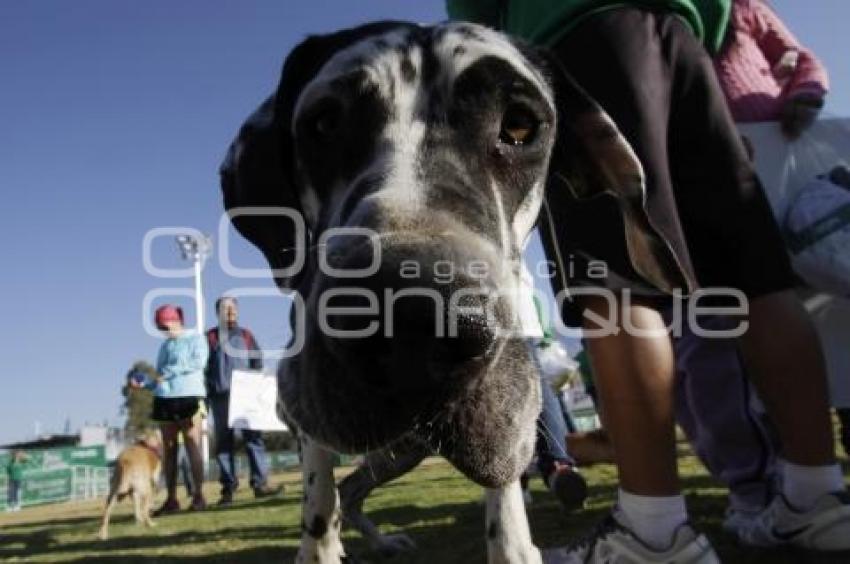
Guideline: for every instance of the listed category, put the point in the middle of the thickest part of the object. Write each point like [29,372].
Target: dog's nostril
[414,328]
[473,338]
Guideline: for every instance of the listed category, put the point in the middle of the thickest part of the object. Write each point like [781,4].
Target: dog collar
[150,448]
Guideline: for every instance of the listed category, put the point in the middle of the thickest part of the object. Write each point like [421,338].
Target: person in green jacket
[648,65]
[15,474]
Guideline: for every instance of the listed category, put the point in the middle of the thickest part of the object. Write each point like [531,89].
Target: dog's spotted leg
[508,535]
[379,468]
[320,513]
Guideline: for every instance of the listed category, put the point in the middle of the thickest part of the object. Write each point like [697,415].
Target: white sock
[804,485]
[652,519]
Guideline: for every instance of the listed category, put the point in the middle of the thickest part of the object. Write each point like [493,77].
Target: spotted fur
[400,129]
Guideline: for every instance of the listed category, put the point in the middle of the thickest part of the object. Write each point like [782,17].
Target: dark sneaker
[267,491]
[198,504]
[225,499]
[613,543]
[170,506]
[568,486]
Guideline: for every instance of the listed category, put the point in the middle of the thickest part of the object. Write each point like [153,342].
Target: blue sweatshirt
[219,370]
[181,363]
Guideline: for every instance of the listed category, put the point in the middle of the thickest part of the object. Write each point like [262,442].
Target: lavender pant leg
[713,407]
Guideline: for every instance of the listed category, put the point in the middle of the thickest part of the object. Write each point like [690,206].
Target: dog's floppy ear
[591,157]
[258,179]
[260,196]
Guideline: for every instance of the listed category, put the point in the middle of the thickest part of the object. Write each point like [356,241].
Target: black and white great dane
[436,142]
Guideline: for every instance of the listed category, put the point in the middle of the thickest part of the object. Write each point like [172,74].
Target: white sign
[253,402]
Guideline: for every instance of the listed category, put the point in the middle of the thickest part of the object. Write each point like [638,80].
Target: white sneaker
[825,527]
[613,543]
[747,527]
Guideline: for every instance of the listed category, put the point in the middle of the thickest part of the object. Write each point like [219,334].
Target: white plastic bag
[253,402]
[785,167]
[555,362]
[809,209]
[817,227]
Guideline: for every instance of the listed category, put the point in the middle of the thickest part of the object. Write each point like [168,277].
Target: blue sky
[115,115]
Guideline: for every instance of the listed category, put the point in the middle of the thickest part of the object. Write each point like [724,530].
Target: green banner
[48,473]
[46,486]
[85,456]
[47,459]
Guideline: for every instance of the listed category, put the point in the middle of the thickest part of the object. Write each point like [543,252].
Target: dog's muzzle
[418,345]
[420,304]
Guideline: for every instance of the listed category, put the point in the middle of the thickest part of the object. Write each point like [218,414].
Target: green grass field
[437,506]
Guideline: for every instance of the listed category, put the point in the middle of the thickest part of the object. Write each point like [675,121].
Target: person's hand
[787,65]
[799,113]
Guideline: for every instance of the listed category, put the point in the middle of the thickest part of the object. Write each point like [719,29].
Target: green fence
[59,474]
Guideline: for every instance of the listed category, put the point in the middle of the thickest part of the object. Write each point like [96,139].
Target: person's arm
[808,82]
[194,359]
[809,76]
[487,12]
[255,362]
[151,383]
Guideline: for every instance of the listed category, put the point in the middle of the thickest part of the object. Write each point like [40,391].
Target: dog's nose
[410,320]
[388,315]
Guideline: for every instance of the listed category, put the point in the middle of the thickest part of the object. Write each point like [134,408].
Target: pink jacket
[748,67]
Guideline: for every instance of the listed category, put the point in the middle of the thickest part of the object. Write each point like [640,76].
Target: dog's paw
[102,535]
[392,545]
[323,555]
[515,555]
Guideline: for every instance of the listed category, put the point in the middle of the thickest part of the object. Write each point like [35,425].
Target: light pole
[197,250]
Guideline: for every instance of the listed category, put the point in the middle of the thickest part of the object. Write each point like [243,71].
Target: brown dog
[136,473]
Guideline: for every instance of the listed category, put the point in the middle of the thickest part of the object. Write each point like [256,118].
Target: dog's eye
[519,126]
[326,123]
[325,120]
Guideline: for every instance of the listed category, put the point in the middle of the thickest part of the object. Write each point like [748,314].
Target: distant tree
[138,402]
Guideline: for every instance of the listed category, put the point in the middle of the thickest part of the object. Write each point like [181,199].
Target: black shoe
[198,504]
[267,491]
[568,486]
[168,507]
[226,498]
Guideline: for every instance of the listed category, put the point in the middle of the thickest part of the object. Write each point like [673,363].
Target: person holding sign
[233,348]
